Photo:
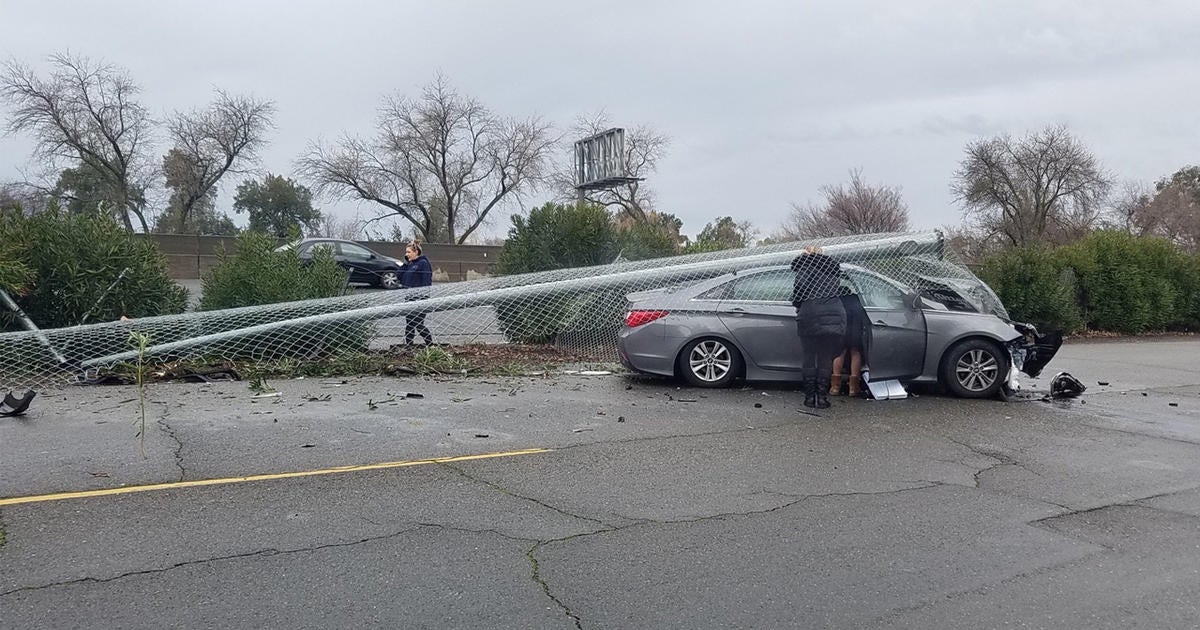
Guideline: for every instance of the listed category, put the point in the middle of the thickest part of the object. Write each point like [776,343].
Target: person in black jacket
[416,272]
[820,321]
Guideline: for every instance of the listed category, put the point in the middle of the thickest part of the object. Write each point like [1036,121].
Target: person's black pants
[819,353]
[415,324]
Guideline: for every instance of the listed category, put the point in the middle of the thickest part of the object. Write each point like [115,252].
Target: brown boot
[855,369]
[835,383]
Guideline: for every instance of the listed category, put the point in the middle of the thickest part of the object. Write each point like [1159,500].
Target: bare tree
[1043,187]
[439,159]
[85,112]
[972,244]
[1171,209]
[854,208]
[347,228]
[208,143]
[1127,208]
[27,198]
[644,147]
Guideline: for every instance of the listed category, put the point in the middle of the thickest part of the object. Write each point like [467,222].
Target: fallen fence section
[583,305]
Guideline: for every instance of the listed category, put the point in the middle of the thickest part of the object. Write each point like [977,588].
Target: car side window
[875,292]
[311,249]
[355,252]
[719,292]
[763,287]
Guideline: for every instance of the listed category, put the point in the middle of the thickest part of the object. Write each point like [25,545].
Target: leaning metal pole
[887,246]
[30,326]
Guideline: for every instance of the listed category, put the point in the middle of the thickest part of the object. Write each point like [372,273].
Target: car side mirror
[370,256]
[914,301]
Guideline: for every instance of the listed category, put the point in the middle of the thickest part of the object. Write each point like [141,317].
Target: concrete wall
[190,256]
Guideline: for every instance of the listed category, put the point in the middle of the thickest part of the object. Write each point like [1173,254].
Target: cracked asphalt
[647,511]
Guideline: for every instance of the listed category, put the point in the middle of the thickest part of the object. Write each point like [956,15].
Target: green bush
[1036,287]
[638,240]
[557,236]
[1109,280]
[1131,284]
[1192,305]
[542,319]
[553,236]
[254,273]
[69,261]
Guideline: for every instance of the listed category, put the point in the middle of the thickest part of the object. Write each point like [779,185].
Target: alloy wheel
[976,370]
[710,361]
[389,280]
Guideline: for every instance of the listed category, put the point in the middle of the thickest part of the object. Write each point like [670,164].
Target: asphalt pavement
[606,501]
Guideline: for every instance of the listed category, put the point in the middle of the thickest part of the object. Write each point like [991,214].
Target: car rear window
[763,287]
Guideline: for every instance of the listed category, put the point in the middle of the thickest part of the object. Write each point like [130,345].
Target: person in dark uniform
[820,321]
[416,272]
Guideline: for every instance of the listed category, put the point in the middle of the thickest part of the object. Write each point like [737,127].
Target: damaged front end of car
[1029,353]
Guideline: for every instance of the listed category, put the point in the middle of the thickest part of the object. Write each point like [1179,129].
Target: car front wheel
[389,280]
[974,368]
[710,363]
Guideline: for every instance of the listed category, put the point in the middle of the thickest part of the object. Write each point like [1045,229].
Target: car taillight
[633,319]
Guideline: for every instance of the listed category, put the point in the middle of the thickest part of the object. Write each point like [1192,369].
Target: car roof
[691,291]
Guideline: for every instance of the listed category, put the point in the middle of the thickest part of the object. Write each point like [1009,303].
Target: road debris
[1063,385]
[16,406]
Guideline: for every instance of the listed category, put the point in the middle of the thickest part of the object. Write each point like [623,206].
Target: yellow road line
[267,477]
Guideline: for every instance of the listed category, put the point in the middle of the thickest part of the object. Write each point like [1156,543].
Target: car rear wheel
[710,363]
[974,368]
[389,280]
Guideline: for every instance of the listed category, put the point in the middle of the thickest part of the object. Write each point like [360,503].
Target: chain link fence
[582,308]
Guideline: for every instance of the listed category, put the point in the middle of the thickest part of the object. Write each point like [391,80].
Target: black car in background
[364,265]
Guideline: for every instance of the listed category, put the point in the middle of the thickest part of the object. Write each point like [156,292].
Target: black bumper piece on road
[1039,349]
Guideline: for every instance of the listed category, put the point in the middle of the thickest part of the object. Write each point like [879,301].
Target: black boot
[810,389]
[822,387]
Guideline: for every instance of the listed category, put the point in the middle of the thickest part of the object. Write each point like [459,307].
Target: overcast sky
[765,102]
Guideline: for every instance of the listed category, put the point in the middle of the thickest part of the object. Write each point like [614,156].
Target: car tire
[389,280]
[709,362]
[975,368]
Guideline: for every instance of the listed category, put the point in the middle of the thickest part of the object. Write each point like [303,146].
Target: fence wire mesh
[580,308]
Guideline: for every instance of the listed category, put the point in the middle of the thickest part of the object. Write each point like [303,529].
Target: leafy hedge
[68,262]
[558,236]
[254,273]
[1035,287]
[1109,280]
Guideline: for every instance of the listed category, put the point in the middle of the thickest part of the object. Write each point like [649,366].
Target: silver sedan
[743,325]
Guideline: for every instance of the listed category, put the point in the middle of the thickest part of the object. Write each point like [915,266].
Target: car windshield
[946,285]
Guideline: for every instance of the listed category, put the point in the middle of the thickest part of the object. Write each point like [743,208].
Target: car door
[359,260]
[898,330]
[757,310]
